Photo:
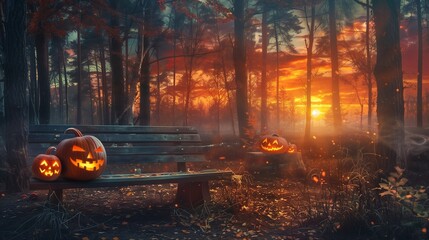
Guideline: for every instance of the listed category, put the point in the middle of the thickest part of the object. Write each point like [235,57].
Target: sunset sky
[293,74]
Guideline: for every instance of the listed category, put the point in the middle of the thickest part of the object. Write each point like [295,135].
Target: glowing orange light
[424,230]
[315,179]
[315,113]
[77,149]
[323,173]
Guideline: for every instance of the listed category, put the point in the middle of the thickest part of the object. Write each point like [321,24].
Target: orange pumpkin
[46,167]
[83,157]
[291,148]
[273,144]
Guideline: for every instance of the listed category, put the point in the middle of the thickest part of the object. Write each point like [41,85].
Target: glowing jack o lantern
[273,144]
[83,157]
[46,167]
[291,148]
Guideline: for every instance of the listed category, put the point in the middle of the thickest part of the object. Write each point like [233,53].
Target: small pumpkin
[273,144]
[46,167]
[83,157]
[292,148]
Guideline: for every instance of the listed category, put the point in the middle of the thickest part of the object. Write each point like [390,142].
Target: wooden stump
[283,165]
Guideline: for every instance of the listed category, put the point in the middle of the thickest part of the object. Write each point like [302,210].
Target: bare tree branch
[363,4]
[184,55]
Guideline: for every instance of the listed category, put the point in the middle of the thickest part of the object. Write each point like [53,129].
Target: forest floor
[146,212]
[253,206]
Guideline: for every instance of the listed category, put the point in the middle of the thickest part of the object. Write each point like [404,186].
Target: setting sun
[315,113]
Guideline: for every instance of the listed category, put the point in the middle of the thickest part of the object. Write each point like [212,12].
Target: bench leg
[55,196]
[192,194]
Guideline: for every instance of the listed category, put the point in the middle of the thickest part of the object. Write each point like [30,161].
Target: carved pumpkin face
[291,148]
[46,167]
[273,144]
[83,157]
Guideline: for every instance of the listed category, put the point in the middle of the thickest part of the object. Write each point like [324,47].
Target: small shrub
[50,223]
[350,202]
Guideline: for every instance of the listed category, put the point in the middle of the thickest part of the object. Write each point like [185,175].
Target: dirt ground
[146,212]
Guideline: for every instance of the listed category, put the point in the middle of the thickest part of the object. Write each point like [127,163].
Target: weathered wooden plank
[120,180]
[119,138]
[91,129]
[132,158]
[135,150]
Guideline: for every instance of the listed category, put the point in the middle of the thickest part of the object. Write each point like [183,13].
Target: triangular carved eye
[265,140]
[44,163]
[275,142]
[77,149]
[55,164]
[99,150]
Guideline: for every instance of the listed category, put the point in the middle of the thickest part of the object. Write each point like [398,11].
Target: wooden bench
[124,144]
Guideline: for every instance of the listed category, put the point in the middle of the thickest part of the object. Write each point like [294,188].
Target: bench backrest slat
[90,129]
[119,138]
[128,144]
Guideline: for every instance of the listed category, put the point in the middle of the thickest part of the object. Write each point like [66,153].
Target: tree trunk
[369,67]
[127,96]
[189,71]
[173,118]
[388,74]
[66,87]
[264,113]
[57,43]
[79,80]
[239,52]
[118,98]
[145,69]
[104,86]
[419,66]
[276,37]
[225,80]
[41,40]
[158,91]
[34,96]
[91,93]
[336,107]
[145,86]
[309,46]
[16,98]
[99,100]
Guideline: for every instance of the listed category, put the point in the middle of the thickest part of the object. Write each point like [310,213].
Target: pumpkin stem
[49,150]
[75,131]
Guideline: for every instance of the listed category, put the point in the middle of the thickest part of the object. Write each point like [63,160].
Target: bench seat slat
[119,138]
[121,180]
[92,129]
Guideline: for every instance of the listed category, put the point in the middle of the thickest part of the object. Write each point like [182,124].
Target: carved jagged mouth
[88,165]
[272,149]
[49,173]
